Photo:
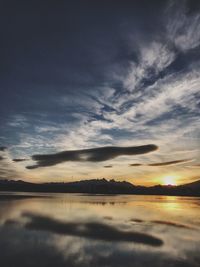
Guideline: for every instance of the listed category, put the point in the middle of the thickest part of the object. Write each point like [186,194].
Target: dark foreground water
[83,230]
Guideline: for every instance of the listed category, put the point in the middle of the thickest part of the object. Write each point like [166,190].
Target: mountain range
[101,186]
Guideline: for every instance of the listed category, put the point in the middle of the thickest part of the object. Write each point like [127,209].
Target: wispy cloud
[135,164]
[167,163]
[164,163]
[153,58]
[108,166]
[19,160]
[183,29]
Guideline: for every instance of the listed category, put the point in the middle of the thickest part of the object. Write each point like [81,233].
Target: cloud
[174,162]
[154,58]
[135,164]
[19,160]
[8,170]
[183,29]
[136,220]
[18,121]
[166,163]
[91,155]
[197,166]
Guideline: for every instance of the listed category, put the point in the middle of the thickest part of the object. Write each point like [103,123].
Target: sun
[169,180]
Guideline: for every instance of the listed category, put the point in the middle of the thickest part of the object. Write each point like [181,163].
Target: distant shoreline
[101,187]
[95,194]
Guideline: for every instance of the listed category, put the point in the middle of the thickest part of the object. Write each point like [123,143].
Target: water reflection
[79,230]
[93,230]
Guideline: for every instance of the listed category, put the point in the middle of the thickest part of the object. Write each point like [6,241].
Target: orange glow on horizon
[169,180]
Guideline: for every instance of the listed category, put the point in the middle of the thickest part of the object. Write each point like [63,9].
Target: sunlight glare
[169,180]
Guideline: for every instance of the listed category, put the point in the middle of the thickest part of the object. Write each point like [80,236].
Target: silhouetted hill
[101,186]
[195,184]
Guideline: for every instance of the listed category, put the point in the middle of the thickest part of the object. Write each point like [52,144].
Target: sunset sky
[81,76]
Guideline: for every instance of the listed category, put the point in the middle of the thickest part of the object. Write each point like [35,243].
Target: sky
[93,89]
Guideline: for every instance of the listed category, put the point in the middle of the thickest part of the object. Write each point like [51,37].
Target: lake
[41,229]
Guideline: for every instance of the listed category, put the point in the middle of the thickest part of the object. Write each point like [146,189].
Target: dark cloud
[136,220]
[3,148]
[110,218]
[108,166]
[92,155]
[92,230]
[135,164]
[166,163]
[19,160]
[169,162]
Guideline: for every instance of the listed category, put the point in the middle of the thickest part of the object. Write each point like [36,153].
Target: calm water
[83,230]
